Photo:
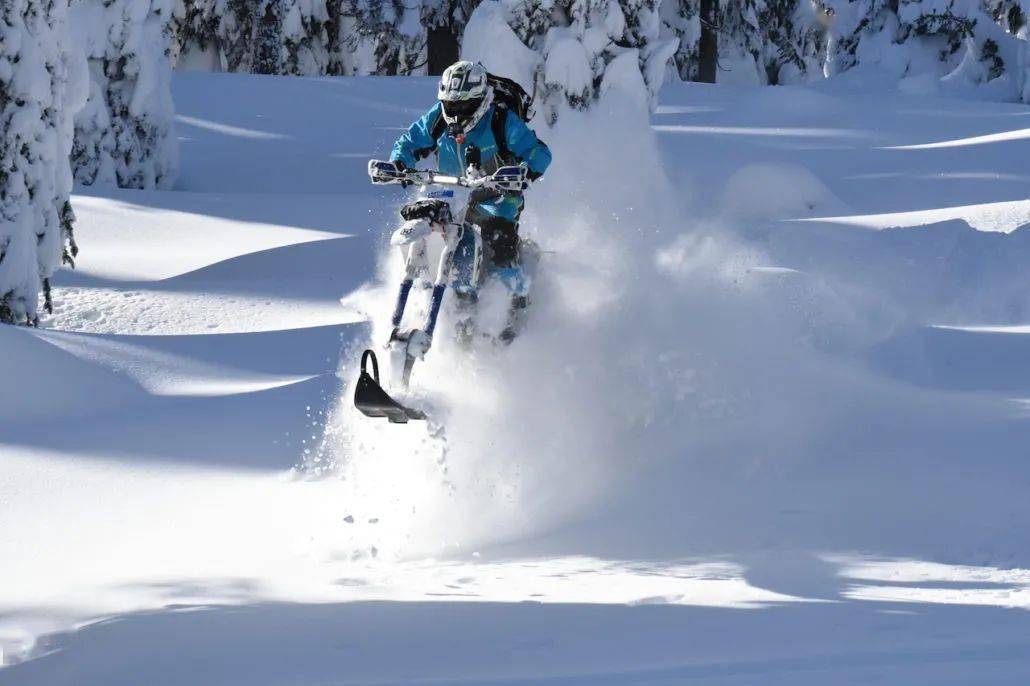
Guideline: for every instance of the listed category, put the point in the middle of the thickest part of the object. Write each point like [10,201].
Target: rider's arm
[523,142]
[417,142]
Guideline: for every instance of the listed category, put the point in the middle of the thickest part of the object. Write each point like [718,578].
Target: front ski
[373,401]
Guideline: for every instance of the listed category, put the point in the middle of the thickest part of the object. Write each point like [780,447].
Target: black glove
[434,211]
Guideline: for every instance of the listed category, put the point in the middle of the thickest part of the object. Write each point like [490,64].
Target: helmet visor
[461,110]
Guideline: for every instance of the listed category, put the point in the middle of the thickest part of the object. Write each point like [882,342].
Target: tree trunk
[443,49]
[708,45]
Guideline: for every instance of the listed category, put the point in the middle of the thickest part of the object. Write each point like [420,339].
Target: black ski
[373,401]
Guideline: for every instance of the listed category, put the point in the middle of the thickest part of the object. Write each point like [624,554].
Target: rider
[460,129]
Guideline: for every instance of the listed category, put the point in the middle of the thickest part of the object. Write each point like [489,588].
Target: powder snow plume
[535,434]
[662,351]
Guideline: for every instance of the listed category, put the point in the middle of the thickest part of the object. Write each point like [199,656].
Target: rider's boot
[516,312]
[517,283]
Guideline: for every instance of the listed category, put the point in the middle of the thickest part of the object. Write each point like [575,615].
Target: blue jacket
[418,143]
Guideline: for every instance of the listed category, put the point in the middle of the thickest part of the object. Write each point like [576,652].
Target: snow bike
[436,213]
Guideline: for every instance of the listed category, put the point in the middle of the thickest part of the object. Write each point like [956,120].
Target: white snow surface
[744,438]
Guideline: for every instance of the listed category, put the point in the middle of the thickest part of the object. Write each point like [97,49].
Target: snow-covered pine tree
[268,40]
[350,37]
[41,84]
[569,52]
[194,34]
[770,41]
[124,135]
[694,24]
[955,43]
[1011,15]
[384,37]
[235,32]
[1014,17]
[305,37]
[229,35]
[795,41]
[682,19]
[444,21]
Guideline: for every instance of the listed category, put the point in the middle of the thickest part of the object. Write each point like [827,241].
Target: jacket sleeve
[523,142]
[417,142]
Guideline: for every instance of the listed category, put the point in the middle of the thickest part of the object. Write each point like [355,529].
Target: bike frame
[412,237]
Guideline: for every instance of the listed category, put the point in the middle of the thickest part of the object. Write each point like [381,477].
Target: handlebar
[506,179]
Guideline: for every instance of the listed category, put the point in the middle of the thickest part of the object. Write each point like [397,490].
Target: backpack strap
[439,127]
[497,124]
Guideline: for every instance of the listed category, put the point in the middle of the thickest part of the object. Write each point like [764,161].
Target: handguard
[513,179]
[382,172]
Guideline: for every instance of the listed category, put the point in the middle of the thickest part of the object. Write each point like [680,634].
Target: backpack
[508,96]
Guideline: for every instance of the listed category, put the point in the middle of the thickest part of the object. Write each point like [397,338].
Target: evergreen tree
[444,21]
[235,32]
[1011,15]
[194,28]
[124,135]
[41,84]
[955,39]
[780,39]
[578,49]
[351,37]
[306,37]
[269,39]
[794,49]
[682,19]
[694,24]
[759,41]
[384,37]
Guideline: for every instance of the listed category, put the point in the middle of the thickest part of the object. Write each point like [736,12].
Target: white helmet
[464,93]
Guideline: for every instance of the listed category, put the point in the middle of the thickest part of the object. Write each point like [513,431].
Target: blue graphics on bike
[465,264]
[515,279]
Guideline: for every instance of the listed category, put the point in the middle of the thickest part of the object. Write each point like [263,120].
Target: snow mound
[128,241]
[489,39]
[994,217]
[766,191]
[78,387]
[149,311]
[165,373]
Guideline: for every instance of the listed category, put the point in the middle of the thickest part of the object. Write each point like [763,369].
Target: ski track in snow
[169,512]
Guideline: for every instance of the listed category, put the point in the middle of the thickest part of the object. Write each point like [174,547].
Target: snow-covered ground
[770,421]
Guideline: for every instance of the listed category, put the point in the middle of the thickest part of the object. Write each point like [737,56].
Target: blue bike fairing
[465,264]
[514,278]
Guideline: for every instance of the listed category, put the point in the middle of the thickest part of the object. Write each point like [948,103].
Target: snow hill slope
[768,424]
